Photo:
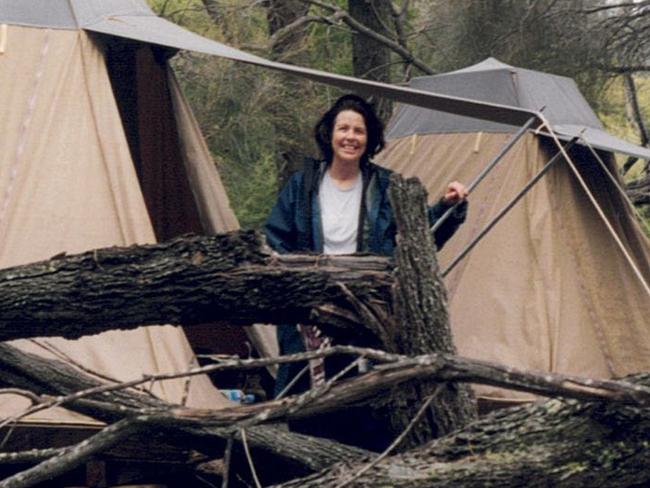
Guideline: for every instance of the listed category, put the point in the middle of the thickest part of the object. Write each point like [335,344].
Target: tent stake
[507,208]
[515,137]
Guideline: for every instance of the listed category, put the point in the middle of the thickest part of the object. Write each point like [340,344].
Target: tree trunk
[288,45]
[185,281]
[370,58]
[634,117]
[421,321]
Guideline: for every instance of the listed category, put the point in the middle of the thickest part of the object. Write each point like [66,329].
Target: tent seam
[25,128]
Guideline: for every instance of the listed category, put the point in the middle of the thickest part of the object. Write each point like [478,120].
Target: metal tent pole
[511,142]
[511,204]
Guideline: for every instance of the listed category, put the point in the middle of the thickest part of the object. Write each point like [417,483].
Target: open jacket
[294,224]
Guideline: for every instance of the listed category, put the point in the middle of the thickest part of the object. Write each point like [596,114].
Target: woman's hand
[456,193]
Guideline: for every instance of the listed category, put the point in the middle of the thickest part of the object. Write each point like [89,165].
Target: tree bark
[600,443]
[555,443]
[185,281]
[634,117]
[421,321]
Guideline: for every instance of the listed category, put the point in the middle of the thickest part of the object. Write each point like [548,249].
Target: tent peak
[488,64]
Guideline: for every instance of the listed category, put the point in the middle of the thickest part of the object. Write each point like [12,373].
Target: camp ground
[99,148]
[560,283]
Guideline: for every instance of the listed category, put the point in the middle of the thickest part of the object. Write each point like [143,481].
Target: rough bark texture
[185,281]
[554,443]
[422,321]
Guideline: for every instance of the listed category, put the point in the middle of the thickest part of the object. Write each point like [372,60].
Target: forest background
[258,123]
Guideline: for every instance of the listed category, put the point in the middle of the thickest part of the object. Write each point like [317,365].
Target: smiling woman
[340,205]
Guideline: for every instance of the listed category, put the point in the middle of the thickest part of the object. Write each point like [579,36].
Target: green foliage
[256,191]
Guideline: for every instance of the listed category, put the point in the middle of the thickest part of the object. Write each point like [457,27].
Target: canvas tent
[548,288]
[99,148]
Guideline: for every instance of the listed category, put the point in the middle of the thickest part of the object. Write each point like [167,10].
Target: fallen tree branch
[554,443]
[395,369]
[54,378]
[421,320]
[191,280]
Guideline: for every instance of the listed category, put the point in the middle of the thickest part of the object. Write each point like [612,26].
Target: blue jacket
[294,224]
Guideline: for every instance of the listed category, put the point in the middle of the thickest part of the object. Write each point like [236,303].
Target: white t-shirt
[339,210]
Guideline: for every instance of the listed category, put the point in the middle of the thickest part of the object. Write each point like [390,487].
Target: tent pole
[635,269]
[507,208]
[511,142]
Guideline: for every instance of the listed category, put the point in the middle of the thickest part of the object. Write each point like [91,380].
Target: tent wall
[140,84]
[68,184]
[547,289]
[181,187]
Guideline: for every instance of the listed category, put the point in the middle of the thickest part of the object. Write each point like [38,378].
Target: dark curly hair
[374,126]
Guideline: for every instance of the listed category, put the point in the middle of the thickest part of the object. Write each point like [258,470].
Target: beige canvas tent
[99,148]
[548,288]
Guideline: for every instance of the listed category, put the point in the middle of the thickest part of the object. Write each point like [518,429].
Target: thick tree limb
[185,281]
[555,443]
[70,458]
[634,116]
[203,424]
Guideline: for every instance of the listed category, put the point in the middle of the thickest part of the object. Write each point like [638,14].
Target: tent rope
[618,186]
[599,210]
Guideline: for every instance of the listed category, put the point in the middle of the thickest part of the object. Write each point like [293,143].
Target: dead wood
[54,378]
[185,281]
[210,427]
[553,443]
[421,322]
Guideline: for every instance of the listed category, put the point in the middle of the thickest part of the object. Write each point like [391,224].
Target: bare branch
[358,27]
[69,458]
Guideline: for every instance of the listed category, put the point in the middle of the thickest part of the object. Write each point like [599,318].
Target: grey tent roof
[493,81]
[133,19]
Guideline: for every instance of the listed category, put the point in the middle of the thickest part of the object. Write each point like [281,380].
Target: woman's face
[349,137]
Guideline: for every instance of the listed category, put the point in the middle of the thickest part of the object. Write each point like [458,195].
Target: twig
[249,458]
[397,440]
[72,457]
[294,380]
[226,463]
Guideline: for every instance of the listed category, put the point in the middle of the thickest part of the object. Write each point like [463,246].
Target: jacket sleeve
[280,227]
[450,225]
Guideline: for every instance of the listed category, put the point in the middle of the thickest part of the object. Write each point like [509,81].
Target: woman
[340,205]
